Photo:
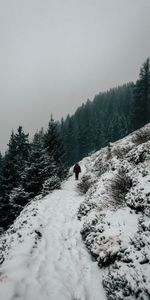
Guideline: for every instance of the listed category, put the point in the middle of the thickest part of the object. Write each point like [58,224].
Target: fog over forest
[55,55]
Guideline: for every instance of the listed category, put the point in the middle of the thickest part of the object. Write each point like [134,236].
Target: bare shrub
[120,152]
[100,166]
[119,186]
[109,151]
[141,136]
[84,184]
[137,157]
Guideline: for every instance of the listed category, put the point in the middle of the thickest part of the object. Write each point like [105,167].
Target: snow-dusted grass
[116,215]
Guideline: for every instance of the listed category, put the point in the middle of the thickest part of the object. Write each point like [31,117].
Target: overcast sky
[54,54]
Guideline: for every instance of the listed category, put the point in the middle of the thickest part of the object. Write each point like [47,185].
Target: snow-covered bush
[113,284]
[120,284]
[85,208]
[137,157]
[137,200]
[84,184]
[101,165]
[118,188]
[50,184]
[141,136]
[121,151]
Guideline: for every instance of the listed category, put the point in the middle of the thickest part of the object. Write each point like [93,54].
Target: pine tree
[55,148]
[8,182]
[1,176]
[99,134]
[86,130]
[10,174]
[22,151]
[39,167]
[1,166]
[141,104]
[32,177]
[22,144]
[70,140]
[14,161]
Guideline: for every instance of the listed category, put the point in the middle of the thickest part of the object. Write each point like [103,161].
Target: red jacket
[76,169]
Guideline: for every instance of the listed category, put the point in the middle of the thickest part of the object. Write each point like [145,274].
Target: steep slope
[44,256]
[116,215]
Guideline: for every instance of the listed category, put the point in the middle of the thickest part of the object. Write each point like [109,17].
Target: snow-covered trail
[58,266]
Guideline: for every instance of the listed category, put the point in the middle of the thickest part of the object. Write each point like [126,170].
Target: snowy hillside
[116,214]
[43,256]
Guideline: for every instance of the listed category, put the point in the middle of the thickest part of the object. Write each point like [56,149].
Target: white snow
[116,228]
[46,258]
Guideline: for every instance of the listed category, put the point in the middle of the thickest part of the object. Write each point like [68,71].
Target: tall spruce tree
[22,149]
[1,174]
[70,140]
[141,104]
[1,165]
[10,174]
[14,161]
[39,167]
[55,147]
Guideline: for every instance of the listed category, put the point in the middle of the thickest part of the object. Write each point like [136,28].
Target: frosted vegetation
[30,168]
[42,253]
[116,215]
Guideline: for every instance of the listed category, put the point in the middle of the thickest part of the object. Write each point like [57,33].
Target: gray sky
[55,54]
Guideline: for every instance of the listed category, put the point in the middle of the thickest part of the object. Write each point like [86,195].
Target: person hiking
[76,170]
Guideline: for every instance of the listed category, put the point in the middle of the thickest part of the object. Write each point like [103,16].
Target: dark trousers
[76,175]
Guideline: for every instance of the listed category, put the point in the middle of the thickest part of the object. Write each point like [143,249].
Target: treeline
[29,168]
[109,117]
[96,123]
